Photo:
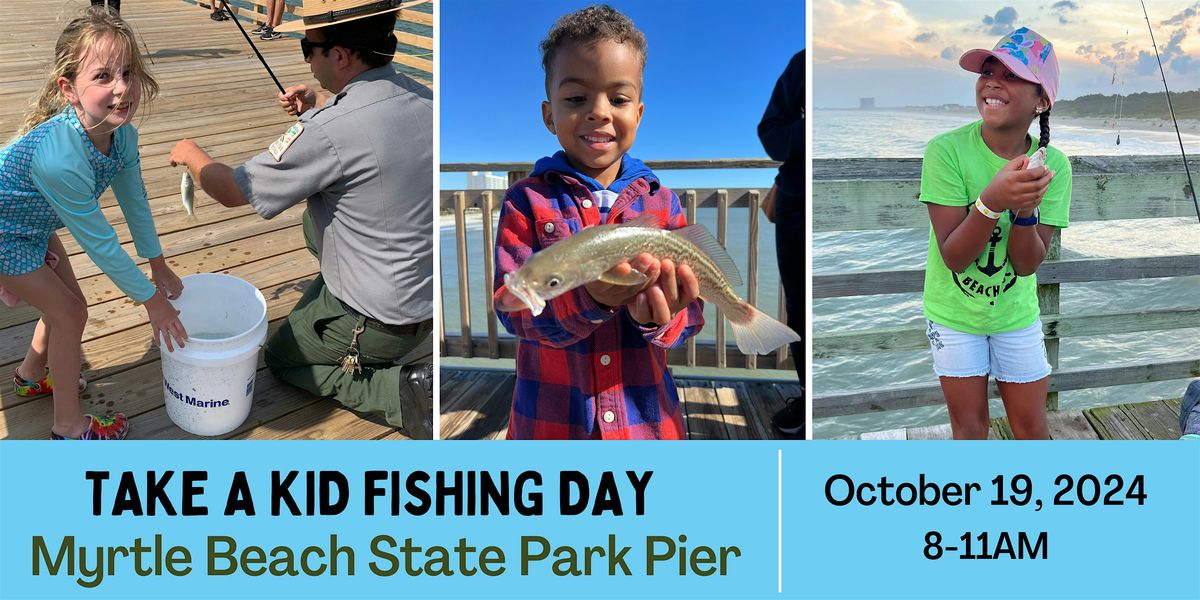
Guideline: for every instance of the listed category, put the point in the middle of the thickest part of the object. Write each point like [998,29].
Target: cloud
[951,53]
[1184,16]
[1185,65]
[1064,5]
[928,36]
[1003,22]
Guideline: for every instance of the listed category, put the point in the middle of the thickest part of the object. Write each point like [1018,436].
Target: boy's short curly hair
[596,22]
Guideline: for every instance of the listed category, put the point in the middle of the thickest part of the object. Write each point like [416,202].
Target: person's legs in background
[791,252]
[274,18]
[1189,413]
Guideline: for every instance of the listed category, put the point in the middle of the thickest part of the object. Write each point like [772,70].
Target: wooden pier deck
[1158,420]
[214,91]
[475,404]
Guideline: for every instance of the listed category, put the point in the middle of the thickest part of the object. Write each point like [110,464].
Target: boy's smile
[595,105]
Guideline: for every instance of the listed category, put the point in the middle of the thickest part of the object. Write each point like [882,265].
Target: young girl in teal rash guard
[77,142]
[993,212]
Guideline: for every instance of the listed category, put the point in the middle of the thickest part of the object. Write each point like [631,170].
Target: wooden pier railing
[878,194]
[414,31]
[467,344]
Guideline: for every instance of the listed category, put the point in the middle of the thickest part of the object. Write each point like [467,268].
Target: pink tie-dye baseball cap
[1026,53]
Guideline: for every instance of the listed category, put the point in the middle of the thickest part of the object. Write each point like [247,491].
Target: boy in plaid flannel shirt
[593,364]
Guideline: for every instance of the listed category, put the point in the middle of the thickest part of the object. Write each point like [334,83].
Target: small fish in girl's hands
[187,191]
[588,256]
[1037,160]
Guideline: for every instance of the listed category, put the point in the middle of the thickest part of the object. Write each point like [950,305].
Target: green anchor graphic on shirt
[978,286]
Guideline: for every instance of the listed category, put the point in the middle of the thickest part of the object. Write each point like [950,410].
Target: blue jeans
[1189,413]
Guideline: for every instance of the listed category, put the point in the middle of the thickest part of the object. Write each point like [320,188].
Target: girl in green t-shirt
[995,198]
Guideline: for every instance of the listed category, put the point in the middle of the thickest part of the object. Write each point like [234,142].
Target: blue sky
[916,62]
[709,73]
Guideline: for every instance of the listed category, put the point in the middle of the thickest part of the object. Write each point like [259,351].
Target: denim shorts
[1013,356]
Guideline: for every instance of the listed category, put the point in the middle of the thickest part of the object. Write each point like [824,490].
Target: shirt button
[605,359]
[549,228]
[609,417]
[586,203]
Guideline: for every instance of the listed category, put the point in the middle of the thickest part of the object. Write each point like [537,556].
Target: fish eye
[553,282]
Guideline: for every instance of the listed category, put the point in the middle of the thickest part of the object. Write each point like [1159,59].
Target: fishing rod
[225,7]
[1171,109]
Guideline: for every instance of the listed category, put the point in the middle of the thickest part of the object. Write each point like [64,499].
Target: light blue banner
[692,520]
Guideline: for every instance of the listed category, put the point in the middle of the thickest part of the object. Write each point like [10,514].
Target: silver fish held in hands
[1037,160]
[587,256]
[187,191]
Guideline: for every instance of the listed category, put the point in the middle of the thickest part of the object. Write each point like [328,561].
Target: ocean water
[896,134]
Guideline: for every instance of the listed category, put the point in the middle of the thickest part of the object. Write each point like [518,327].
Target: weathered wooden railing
[695,353]
[875,194]
[414,31]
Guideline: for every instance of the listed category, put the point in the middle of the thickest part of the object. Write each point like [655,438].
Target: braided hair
[1043,122]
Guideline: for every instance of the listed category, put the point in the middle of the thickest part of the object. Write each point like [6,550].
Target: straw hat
[320,13]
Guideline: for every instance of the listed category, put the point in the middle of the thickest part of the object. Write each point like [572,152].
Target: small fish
[187,191]
[1037,160]
[588,255]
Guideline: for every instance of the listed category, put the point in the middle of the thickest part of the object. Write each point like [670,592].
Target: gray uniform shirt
[364,161]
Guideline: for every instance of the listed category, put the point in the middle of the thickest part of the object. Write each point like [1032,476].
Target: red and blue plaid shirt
[584,371]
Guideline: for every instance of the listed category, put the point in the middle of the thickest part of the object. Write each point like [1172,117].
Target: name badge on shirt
[279,146]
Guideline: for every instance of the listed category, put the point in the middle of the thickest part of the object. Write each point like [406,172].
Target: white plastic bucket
[208,385]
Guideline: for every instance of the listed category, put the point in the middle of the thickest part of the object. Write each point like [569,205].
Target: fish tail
[755,332]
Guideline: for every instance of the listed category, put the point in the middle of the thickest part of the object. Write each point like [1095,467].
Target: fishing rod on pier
[225,7]
[1171,109]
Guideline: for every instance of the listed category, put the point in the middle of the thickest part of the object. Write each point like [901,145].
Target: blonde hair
[81,35]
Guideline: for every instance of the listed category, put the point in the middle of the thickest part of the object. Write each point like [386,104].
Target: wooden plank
[912,337]
[760,401]
[736,425]
[927,394]
[706,354]
[855,201]
[482,409]
[869,283]
[705,421]
[837,169]
[1113,423]
[324,420]
[1070,425]
[931,432]
[1158,419]
[453,382]
[891,434]
[286,264]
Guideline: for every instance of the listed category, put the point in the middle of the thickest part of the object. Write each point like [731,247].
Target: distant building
[484,180]
[866,103]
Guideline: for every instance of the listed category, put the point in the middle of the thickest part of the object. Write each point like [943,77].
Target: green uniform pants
[307,351]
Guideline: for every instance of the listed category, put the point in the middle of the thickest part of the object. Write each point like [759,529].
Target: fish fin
[646,219]
[630,278]
[699,237]
[756,333]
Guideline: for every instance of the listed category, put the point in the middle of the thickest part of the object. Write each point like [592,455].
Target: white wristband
[987,212]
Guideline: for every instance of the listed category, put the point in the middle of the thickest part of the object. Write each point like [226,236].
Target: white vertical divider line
[779,516]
